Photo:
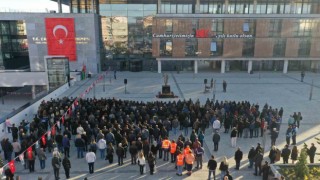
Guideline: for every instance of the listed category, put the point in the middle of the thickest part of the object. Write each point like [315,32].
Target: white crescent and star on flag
[59,26]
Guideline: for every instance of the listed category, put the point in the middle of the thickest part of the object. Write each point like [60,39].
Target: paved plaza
[274,88]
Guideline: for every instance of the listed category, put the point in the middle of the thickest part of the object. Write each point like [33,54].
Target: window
[303,27]
[242,7]
[165,47]
[275,27]
[248,48]
[304,48]
[217,26]
[216,47]
[249,26]
[212,7]
[191,47]
[169,26]
[279,47]
[273,7]
[13,45]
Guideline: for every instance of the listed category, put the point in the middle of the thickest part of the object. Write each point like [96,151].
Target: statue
[165,79]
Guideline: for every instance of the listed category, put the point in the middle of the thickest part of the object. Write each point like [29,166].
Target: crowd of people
[111,127]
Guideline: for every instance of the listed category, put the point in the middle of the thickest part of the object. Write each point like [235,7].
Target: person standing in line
[91,158]
[265,170]
[257,163]
[175,125]
[42,158]
[216,125]
[212,166]
[120,154]
[299,118]
[312,152]
[238,157]
[166,146]
[31,158]
[199,151]
[66,145]
[151,162]
[302,75]
[102,144]
[133,150]
[294,154]
[216,140]
[224,85]
[294,134]
[141,162]
[110,152]
[224,166]
[288,135]
[274,136]
[173,148]
[285,153]
[273,155]
[67,166]
[16,148]
[189,158]
[55,162]
[180,163]
[251,155]
[234,137]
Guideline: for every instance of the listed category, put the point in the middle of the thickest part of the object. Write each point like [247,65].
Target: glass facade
[127,30]
[13,45]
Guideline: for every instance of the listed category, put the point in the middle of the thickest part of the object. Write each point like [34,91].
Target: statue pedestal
[166,92]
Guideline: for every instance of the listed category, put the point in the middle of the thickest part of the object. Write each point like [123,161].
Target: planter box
[287,171]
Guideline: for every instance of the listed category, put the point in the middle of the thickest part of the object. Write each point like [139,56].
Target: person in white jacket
[141,162]
[91,158]
[102,145]
[216,125]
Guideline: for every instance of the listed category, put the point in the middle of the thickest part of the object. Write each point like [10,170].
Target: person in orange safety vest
[173,149]
[189,158]
[180,162]
[185,152]
[166,147]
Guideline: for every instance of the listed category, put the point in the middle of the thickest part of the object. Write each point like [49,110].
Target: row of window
[242,7]
[301,27]
[216,47]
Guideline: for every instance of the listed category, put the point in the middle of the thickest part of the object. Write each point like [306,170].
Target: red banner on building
[202,33]
[61,37]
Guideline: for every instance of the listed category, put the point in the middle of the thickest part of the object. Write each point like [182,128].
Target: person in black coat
[274,136]
[312,152]
[151,162]
[120,154]
[238,157]
[216,139]
[251,155]
[265,171]
[133,150]
[285,153]
[212,166]
[67,166]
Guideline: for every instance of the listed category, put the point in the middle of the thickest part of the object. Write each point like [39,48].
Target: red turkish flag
[43,139]
[12,166]
[61,37]
[202,33]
